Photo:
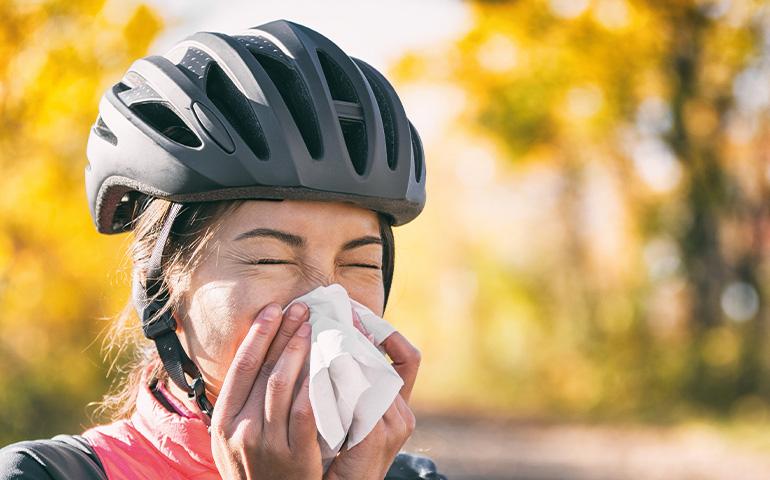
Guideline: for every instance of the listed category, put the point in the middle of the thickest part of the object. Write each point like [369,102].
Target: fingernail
[304,330]
[297,310]
[270,312]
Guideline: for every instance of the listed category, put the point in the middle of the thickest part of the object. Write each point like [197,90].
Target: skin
[253,357]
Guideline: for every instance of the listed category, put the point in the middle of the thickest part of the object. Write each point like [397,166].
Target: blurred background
[588,283]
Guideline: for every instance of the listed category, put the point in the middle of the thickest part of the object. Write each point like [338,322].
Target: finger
[245,366]
[407,415]
[406,361]
[302,426]
[361,328]
[358,323]
[293,317]
[280,386]
[400,422]
[392,416]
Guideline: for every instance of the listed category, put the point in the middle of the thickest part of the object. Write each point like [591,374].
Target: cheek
[219,314]
[214,315]
[370,294]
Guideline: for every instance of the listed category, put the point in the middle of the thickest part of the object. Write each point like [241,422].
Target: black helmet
[276,112]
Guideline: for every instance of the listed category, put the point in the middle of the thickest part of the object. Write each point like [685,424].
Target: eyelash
[268,261]
[275,261]
[363,265]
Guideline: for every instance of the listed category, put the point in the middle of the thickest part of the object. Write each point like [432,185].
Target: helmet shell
[277,112]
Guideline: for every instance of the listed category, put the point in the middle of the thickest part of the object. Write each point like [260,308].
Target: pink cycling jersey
[155,443]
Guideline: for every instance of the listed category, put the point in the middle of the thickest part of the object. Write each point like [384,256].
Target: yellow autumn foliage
[57,275]
[593,245]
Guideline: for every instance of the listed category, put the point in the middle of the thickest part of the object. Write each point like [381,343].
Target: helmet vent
[120,87]
[417,152]
[163,119]
[297,99]
[236,109]
[391,136]
[103,131]
[340,85]
[354,132]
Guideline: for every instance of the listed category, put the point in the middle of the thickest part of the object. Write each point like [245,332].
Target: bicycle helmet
[277,112]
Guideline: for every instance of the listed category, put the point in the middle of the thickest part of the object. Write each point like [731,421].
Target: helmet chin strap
[151,298]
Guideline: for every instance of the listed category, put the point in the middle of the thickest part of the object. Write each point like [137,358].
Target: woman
[253,168]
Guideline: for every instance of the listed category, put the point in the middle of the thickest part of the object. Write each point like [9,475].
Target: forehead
[301,217]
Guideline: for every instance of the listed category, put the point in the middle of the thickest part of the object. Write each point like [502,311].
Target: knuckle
[264,331]
[278,382]
[246,434]
[303,413]
[410,422]
[275,448]
[249,442]
[267,369]
[379,429]
[414,356]
[286,331]
[379,435]
[289,326]
[294,346]
[218,430]
[247,361]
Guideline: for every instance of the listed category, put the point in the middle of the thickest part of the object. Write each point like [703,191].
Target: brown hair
[193,227]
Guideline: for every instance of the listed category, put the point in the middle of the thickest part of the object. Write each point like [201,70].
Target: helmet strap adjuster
[161,328]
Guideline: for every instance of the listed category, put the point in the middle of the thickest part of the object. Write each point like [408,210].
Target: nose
[312,276]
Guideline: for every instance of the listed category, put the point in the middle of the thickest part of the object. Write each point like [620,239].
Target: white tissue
[352,384]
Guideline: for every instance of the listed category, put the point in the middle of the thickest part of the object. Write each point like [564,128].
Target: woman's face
[267,252]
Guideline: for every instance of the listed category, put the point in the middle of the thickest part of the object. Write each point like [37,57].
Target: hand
[372,458]
[260,427]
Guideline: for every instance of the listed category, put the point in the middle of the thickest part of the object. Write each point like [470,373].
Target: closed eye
[268,261]
[363,265]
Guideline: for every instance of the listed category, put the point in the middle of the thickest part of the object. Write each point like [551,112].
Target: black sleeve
[60,458]
[413,467]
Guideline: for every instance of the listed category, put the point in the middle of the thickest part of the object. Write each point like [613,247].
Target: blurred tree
[614,262]
[58,56]
[650,297]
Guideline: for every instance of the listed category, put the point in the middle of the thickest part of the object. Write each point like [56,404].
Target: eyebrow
[299,242]
[360,242]
[288,238]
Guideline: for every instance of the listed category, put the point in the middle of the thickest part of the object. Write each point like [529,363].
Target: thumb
[406,360]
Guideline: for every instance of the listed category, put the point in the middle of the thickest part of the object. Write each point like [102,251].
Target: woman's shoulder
[409,466]
[63,456]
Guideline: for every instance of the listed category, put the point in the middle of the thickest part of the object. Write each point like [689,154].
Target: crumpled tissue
[352,384]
